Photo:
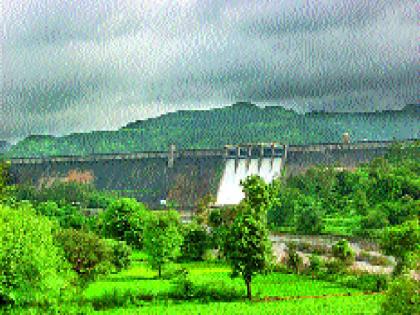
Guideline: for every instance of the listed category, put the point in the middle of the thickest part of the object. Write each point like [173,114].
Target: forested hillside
[239,123]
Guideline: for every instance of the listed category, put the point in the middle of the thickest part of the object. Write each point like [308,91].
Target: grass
[138,290]
[364,304]
[306,296]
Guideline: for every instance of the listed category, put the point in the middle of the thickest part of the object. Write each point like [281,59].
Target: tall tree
[162,238]
[248,248]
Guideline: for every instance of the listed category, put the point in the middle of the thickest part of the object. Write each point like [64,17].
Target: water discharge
[230,189]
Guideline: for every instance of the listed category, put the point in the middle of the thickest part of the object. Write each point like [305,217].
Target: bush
[196,242]
[124,220]
[86,252]
[185,289]
[343,252]
[309,220]
[315,263]
[335,266]
[375,219]
[293,259]
[121,254]
[32,270]
[402,297]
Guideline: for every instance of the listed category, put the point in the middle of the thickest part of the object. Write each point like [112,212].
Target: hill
[239,123]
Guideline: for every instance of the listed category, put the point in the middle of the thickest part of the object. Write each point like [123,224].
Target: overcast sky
[75,66]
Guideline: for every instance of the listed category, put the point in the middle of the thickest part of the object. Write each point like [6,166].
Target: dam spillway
[184,176]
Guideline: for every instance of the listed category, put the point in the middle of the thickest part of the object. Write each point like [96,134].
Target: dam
[184,176]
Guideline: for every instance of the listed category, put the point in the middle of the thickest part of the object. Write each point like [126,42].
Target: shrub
[315,263]
[343,252]
[335,266]
[86,252]
[402,297]
[32,270]
[375,219]
[121,254]
[293,259]
[309,220]
[124,220]
[185,289]
[196,241]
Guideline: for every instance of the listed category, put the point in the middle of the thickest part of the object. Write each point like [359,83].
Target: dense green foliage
[403,242]
[32,269]
[162,238]
[402,297]
[247,246]
[87,254]
[196,241]
[240,123]
[363,201]
[124,220]
[343,252]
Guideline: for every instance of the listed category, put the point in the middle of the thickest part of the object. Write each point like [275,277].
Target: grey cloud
[101,64]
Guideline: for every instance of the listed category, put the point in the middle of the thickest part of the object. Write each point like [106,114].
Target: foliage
[343,252]
[124,220]
[402,242]
[162,238]
[121,254]
[375,219]
[247,247]
[315,263]
[202,207]
[196,241]
[402,297]
[293,259]
[309,220]
[32,269]
[240,123]
[88,255]
[68,216]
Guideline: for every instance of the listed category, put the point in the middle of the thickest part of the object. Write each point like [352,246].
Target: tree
[247,246]
[162,238]
[88,254]
[124,220]
[32,269]
[402,242]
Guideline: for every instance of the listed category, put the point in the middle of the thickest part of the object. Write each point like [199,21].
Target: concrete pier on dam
[184,176]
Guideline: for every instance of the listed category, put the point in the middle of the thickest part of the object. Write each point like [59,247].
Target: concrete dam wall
[185,176]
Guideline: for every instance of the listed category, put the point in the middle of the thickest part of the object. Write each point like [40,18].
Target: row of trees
[384,192]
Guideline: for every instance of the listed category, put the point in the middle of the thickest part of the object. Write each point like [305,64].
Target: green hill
[239,123]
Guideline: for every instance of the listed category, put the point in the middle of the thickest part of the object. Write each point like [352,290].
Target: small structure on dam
[184,176]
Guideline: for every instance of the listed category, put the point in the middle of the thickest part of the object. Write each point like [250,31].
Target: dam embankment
[185,176]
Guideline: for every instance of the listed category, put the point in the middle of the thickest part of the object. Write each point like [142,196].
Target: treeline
[240,123]
[382,193]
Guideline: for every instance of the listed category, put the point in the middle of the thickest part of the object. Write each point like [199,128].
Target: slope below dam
[185,176]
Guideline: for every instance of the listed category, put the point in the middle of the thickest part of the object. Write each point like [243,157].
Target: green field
[295,294]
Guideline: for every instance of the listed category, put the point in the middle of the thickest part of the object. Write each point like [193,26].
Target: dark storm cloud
[81,65]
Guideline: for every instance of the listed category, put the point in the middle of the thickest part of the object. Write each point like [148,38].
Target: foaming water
[230,190]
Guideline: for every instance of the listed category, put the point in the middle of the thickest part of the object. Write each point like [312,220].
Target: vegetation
[248,248]
[403,242]
[240,123]
[162,238]
[55,259]
[124,219]
[32,269]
